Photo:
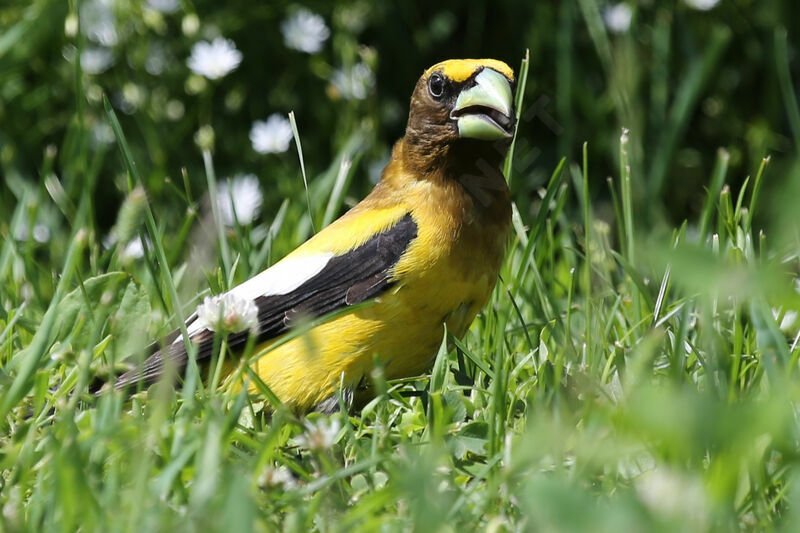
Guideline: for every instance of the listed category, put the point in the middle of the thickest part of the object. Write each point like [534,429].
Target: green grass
[628,374]
[649,388]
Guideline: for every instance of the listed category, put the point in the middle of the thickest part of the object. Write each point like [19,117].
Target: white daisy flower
[271,136]
[305,31]
[227,313]
[618,17]
[320,435]
[354,83]
[215,59]
[95,60]
[702,5]
[239,199]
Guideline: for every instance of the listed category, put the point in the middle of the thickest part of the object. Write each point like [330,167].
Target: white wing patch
[281,278]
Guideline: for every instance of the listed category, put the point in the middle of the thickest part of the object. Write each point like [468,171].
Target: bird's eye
[436,85]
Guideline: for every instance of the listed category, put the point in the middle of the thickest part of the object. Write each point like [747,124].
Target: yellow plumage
[446,276]
[459,70]
[444,175]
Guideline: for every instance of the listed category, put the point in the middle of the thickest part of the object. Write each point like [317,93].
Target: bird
[420,253]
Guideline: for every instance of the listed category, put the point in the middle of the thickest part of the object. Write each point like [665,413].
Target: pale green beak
[484,111]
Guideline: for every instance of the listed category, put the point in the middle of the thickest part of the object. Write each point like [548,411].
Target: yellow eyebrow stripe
[460,70]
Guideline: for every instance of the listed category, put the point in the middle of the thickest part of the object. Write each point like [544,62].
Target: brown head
[461,109]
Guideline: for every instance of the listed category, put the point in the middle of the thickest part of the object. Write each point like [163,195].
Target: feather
[334,282]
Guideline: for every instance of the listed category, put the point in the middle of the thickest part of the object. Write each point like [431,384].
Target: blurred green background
[684,78]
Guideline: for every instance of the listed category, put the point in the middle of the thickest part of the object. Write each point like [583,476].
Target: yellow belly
[401,328]
[445,277]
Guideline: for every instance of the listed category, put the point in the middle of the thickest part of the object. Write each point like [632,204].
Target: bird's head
[462,101]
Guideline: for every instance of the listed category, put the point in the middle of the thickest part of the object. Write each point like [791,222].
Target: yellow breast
[445,277]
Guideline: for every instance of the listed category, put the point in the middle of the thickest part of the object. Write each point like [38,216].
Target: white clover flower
[618,17]
[272,136]
[95,60]
[164,6]
[98,22]
[239,199]
[227,313]
[702,5]
[215,59]
[320,435]
[305,31]
[277,478]
[354,83]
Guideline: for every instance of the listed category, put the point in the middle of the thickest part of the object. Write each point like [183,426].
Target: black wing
[357,276]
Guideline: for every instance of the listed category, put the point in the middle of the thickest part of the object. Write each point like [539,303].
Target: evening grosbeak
[423,248]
